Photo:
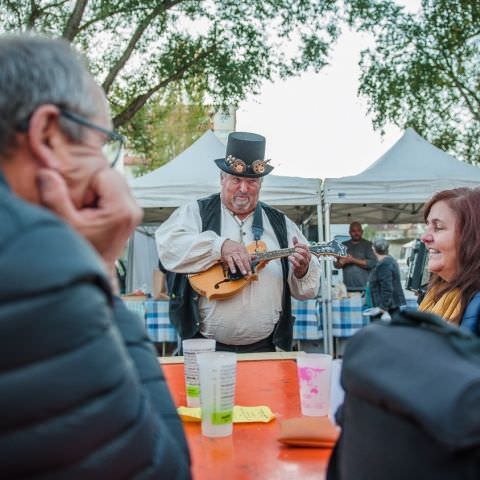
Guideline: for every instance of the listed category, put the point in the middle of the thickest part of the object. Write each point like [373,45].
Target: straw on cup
[191,348]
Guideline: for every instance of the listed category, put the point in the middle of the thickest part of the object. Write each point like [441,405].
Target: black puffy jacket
[82,395]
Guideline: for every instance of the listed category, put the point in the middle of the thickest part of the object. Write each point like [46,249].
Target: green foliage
[161,131]
[424,71]
[140,47]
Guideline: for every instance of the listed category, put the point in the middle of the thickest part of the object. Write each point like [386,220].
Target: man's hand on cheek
[106,226]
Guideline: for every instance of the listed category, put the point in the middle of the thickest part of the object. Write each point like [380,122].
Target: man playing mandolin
[256,316]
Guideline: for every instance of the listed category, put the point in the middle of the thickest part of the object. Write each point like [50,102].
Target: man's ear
[45,136]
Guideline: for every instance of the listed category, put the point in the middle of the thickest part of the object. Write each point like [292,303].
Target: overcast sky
[315,125]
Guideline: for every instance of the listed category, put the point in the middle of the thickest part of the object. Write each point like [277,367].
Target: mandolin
[219,283]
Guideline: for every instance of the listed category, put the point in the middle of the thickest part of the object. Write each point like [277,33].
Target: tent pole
[327,318]
[321,293]
[323,277]
[130,259]
[321,236]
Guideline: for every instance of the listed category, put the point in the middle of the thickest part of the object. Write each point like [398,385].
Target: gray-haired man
[81,392]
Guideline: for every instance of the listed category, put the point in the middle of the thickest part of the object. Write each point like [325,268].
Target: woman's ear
[45,136]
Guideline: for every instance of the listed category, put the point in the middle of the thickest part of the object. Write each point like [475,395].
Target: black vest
[183,308]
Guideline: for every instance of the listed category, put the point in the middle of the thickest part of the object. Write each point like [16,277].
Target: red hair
[465,204]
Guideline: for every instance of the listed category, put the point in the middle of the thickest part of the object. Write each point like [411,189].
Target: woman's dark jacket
[385,286]
[471,316]
[82,395]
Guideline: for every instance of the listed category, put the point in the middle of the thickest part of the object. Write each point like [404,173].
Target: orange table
[252,452]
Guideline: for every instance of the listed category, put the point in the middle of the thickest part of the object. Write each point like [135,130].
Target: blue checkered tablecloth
[308,324]
[347,318]
[137,306]
[158,323]
[160,329]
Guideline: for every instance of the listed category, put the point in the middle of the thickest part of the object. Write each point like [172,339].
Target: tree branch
[143,25]
[473,35]
[465,92]
[127,9]
[71,28]
[138,102]
[35,12]
[108,13]
[16,12]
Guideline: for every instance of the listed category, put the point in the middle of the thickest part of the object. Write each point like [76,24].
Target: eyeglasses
[114,143]
[239,166]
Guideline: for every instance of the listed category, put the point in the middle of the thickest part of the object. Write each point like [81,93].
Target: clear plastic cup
[314,373]
[217,392]
[191,348]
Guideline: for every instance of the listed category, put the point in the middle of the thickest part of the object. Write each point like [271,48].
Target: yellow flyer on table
[260,413]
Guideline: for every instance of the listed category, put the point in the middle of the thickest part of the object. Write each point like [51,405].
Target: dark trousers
[264,345]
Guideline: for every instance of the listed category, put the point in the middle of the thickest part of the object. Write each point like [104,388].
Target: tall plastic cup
[314,372]
[217,392]
[191,348]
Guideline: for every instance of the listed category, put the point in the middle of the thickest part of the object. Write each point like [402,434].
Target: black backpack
[412,403]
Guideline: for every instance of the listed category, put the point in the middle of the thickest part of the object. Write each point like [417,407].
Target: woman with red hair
[452,238]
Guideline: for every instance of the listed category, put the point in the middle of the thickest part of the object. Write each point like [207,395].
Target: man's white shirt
[252,313]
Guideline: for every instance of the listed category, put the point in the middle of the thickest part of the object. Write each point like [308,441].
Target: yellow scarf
[448,305]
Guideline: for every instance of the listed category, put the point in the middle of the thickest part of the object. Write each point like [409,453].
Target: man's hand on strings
[300,260]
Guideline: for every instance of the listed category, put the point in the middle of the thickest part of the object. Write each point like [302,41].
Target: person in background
[385,287]
[452,238]
[81,391]
[218,229]
[360,260]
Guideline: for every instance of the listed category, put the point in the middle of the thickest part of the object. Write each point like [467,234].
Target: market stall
[394,188]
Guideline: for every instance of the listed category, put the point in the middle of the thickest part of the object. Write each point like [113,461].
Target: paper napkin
[261,413]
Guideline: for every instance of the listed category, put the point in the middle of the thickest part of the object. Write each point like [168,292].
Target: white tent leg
[328,287]
[321,236]
[323,290]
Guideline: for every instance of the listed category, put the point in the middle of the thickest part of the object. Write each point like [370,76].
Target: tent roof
[193,174]
[394,188]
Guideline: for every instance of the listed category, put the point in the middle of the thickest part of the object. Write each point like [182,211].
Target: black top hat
[245,156]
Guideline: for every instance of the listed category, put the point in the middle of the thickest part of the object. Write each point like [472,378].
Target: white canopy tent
[394,188]
[193,175]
